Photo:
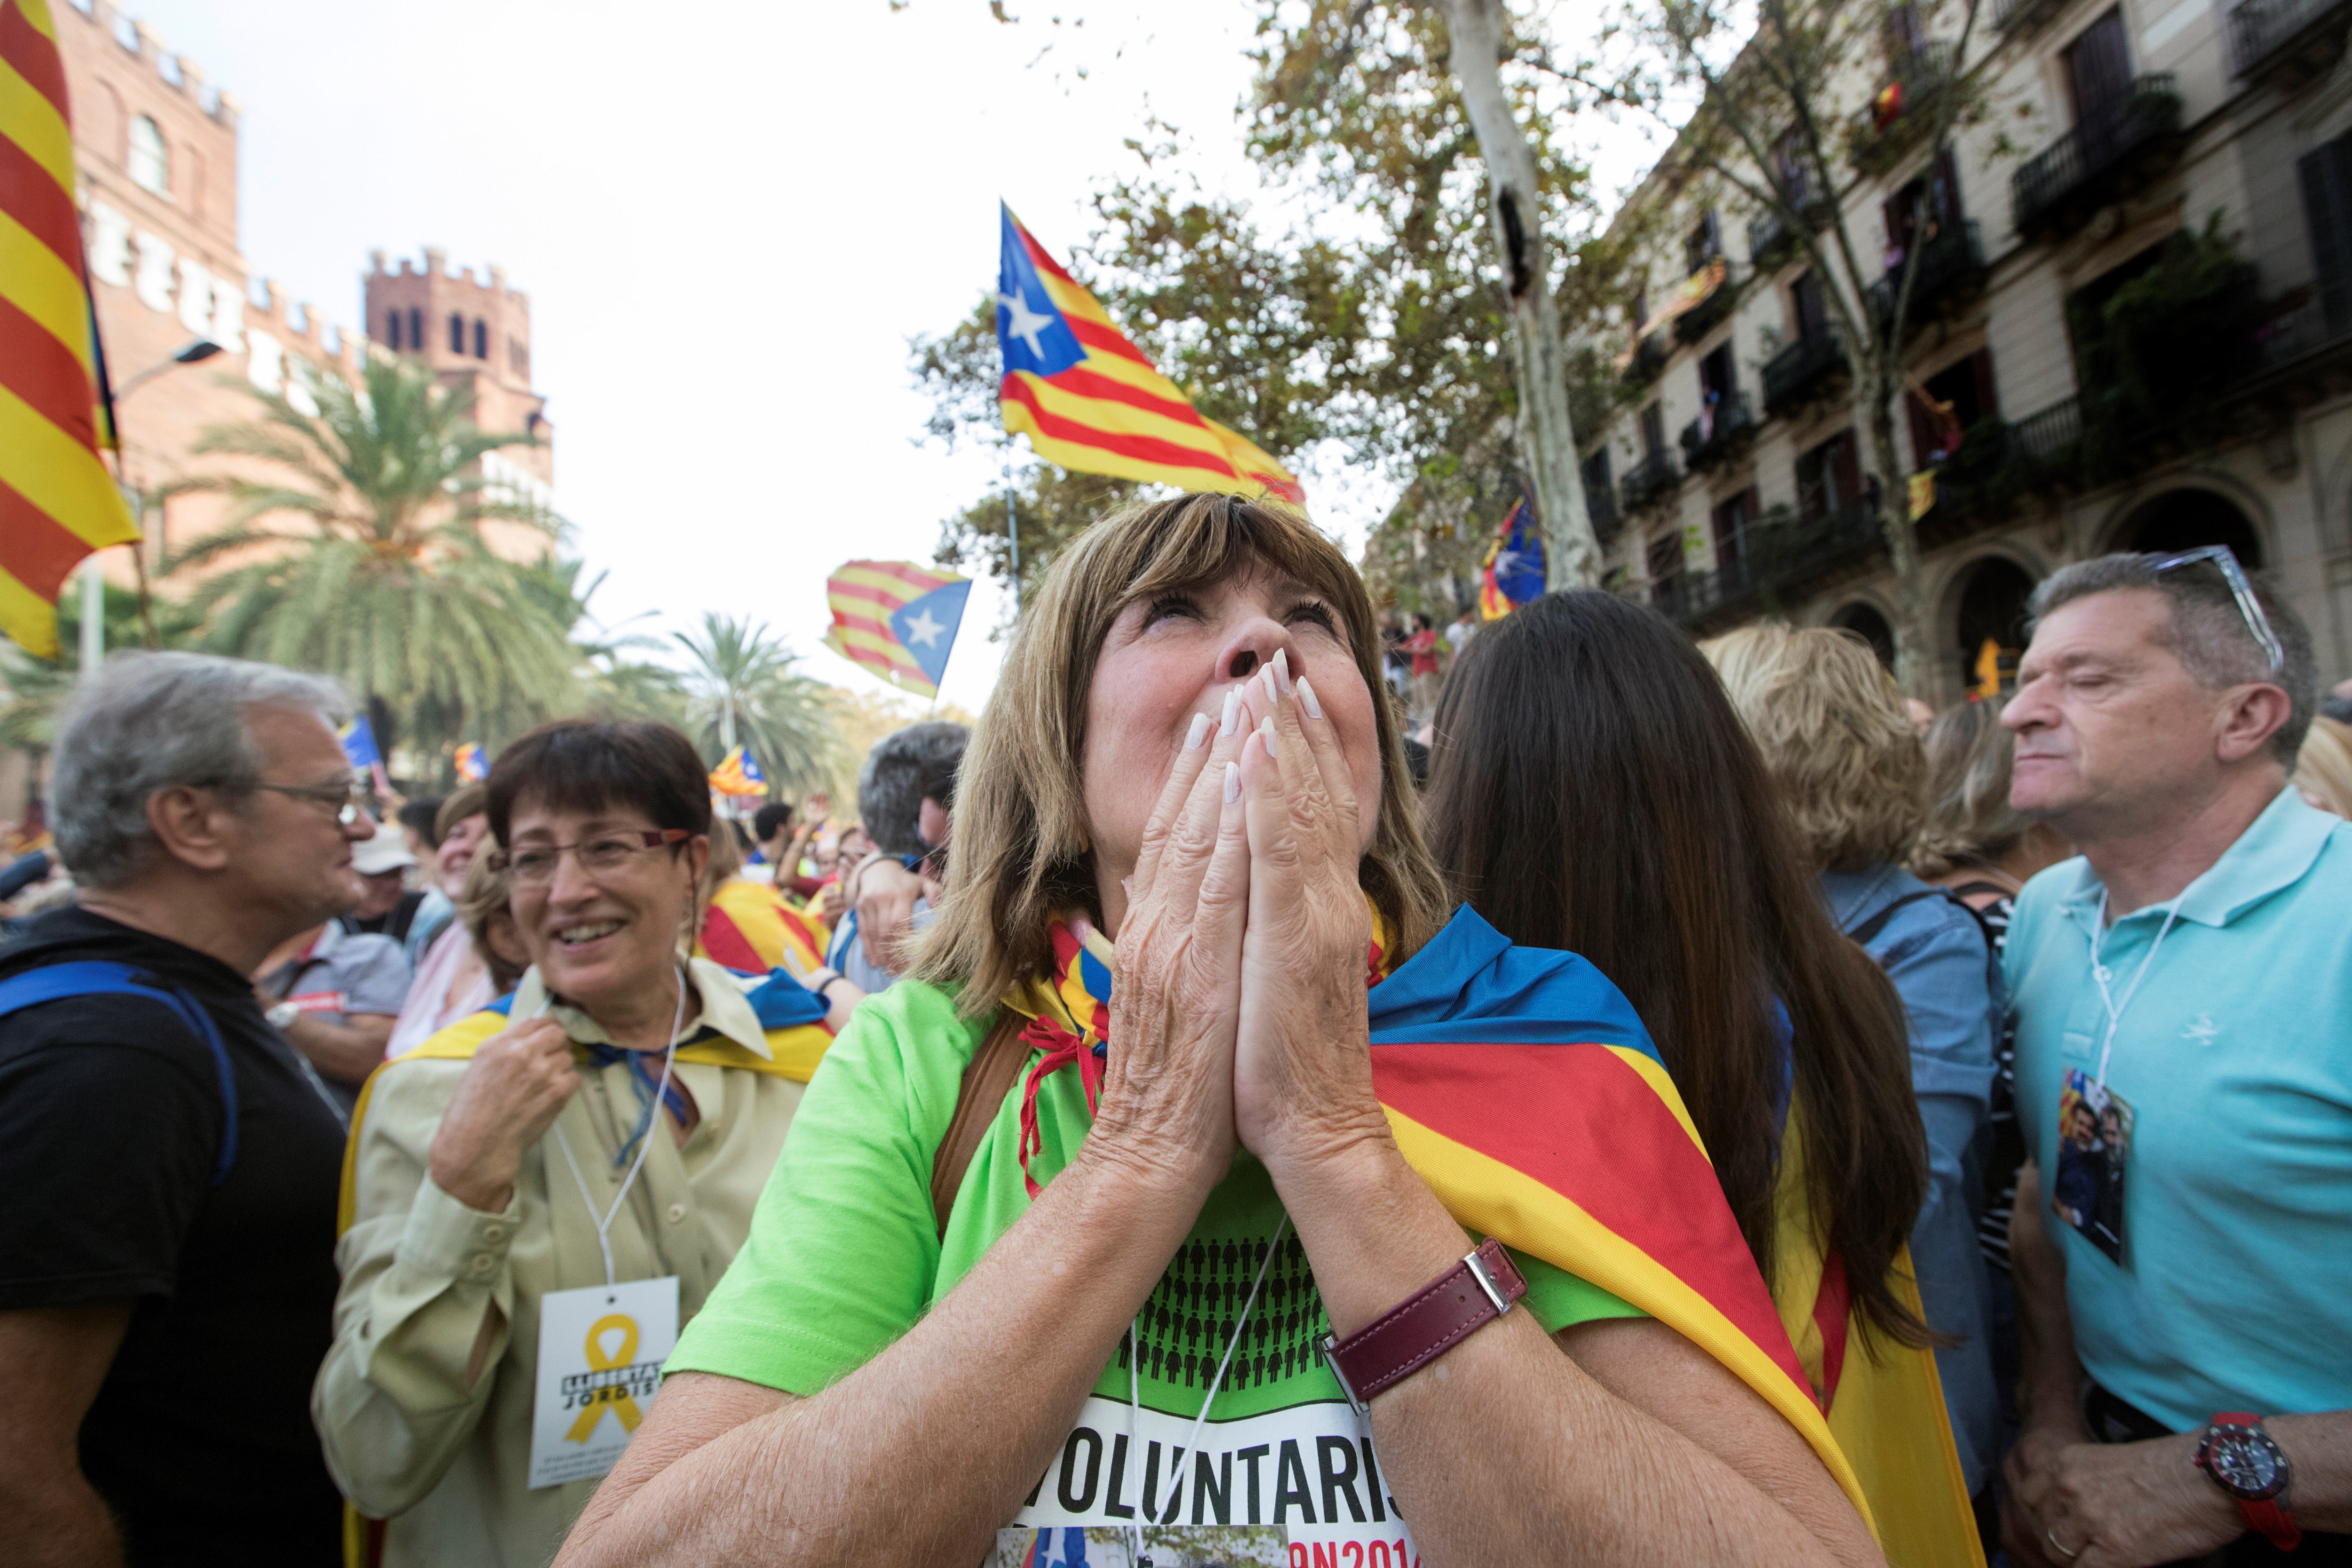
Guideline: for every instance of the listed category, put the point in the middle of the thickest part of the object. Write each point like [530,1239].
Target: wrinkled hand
[886,893]
[1167,1097]
[1303,1069]
[2113,1505]
[513,1090]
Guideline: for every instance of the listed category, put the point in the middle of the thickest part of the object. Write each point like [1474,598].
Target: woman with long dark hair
[1591,788]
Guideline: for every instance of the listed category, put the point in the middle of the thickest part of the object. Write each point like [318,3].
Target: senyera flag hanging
[898,619]
[1091,402]
[57,502]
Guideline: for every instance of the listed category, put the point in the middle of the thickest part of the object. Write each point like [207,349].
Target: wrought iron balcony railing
[1951,262]
[2070,177]
[1775,560]
[1711,437]
[1649,481]
[2297,38]
[1800,371]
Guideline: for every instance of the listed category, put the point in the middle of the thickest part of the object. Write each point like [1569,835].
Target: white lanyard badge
[2099,973]
[601,1348]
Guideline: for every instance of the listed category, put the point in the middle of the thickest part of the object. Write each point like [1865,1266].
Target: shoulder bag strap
[1863,933]
[987,1079]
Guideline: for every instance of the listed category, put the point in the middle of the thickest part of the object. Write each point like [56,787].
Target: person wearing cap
[334,992]
[387,905]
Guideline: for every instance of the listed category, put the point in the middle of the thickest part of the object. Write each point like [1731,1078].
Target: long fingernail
[1266,733]
[1232,711]
[1198,734]
[1272,693]
[1232,782]
[1308,699]
[1281,669]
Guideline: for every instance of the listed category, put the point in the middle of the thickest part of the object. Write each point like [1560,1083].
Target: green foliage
[37,688]
[1371,322]
[363,554]
[742,679]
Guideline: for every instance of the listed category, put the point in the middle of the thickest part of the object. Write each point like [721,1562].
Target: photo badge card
[1162,1546]
[2095,1133]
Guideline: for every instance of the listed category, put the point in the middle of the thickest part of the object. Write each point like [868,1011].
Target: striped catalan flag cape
[57,504]
[1521,1085]
[898,619]
[749,926]
[1091,402]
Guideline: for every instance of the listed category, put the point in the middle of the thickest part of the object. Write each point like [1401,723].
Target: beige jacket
[424,1403]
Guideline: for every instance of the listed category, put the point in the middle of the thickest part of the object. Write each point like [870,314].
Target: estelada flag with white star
[57,502]
[898,619]
[738,773]
[1091,402]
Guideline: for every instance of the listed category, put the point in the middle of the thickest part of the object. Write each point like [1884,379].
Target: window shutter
[2327,171]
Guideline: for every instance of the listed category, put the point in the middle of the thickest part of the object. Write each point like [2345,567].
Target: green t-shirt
[845,1256]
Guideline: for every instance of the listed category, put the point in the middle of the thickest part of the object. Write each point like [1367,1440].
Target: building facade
[155,154]
[2130,327]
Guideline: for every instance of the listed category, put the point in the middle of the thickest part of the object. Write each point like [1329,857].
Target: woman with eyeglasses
[537,1197]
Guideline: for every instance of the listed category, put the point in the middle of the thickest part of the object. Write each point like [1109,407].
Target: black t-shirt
[110,1125]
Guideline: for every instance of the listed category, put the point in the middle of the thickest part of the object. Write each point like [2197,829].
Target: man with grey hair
[906,798]
[167,1275]
[2184,1082]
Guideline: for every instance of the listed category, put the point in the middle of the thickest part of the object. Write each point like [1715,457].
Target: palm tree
[743,688]
[363,556]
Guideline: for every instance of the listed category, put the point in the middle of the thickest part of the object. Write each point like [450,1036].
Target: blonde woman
[2323,769]
[1186,880]
[1848,767]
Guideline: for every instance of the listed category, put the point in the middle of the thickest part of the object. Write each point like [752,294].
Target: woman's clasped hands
[1238,1010]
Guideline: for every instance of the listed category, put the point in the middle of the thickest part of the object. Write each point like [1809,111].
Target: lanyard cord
[2099,973]
[644,1146]
[1240,1326]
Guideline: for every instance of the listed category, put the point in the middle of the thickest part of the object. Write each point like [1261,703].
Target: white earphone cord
[644,1146]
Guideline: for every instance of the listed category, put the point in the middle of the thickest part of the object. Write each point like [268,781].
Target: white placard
[601,1351]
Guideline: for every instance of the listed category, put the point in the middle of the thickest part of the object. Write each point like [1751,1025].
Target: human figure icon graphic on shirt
[2094,1126]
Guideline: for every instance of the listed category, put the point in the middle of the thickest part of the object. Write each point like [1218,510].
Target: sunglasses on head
[2249,607]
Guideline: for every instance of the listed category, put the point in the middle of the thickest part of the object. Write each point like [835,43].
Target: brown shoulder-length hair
[1022,853]
[1592,789]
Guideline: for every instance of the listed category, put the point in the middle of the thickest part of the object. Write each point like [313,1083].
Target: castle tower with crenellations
[473,332]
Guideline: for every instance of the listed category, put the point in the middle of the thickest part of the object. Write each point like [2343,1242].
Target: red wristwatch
[2245,1461]
[1392,1347]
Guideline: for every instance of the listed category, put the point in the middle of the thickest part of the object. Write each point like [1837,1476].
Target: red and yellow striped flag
[896,619]
[1089,401]
[57,504]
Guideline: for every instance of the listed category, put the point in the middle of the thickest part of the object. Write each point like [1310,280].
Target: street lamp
[195,351]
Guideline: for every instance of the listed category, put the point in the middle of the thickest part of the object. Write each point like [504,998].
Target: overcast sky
[729,220]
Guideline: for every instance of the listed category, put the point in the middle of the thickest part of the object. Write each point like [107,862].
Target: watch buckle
[1487,1283]
[1328,1344]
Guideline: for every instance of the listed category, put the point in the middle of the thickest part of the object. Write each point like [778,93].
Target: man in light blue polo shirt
[2184,1079]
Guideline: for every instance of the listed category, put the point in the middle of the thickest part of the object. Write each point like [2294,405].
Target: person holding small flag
[1198,1105]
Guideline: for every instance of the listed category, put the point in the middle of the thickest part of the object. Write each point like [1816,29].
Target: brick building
[1732,483]
[155,152]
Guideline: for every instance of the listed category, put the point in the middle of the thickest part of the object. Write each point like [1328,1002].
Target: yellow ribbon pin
[614,1397]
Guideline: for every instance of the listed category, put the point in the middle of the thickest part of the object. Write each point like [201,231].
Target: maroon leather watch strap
[1393,1347]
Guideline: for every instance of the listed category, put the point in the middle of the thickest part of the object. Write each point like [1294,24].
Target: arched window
[481,339]
[457,333]
[149,162]
[392,330]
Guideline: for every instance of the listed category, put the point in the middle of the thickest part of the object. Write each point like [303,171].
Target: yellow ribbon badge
[613,1396]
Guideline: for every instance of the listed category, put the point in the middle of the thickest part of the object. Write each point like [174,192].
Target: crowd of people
[1910,1138]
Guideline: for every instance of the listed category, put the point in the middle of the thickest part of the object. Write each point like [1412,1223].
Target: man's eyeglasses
[2240,589]
[347,800]
[534,865]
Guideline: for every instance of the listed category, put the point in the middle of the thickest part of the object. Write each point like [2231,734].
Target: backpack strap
[1863,933]
[987,1079]
[98,977]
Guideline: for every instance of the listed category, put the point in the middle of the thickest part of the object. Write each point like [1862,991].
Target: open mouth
[586,933]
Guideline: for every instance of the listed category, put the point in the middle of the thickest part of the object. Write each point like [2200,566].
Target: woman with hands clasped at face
[583,1155]
[1073,1232]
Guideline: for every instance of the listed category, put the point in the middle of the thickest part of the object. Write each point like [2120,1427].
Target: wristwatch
[1441,1315]
[283,1016]
[2245,1461]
